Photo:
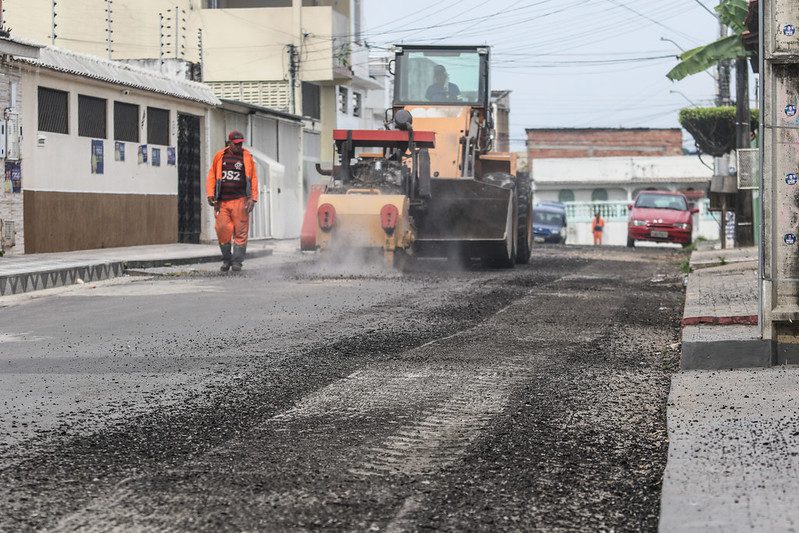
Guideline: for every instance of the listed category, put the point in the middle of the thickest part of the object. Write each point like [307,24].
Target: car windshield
[439,76]
[547,218]
[661,201]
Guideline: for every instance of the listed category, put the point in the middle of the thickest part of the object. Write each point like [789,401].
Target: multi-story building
[304,57]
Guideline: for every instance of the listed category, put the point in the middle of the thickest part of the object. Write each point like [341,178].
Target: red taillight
[389,216]
[326,215]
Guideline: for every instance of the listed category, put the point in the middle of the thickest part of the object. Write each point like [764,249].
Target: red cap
[236,137]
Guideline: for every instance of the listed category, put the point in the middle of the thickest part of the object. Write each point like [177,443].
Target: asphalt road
[300,396]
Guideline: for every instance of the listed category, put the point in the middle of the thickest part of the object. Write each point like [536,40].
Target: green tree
[733,14]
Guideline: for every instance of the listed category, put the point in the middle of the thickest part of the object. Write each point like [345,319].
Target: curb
[210,258]
[745,320]
[98,271]
[59,277]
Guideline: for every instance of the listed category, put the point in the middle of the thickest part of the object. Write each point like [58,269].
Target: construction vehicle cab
[452,195]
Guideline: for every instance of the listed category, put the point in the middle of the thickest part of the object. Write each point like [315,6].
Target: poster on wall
[119,151]
[156,157]
[97,156]
[142,154]
[171,156]
[13,181]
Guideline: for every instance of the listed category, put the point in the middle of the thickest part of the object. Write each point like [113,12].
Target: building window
[599,195]
[565,195]
[342,99]
[311,100]
[357,99]
[126,122]
[157,126]
[53,110]
[92,117]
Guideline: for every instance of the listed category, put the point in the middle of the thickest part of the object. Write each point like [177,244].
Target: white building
[105,154]
[609,184]
[615,179]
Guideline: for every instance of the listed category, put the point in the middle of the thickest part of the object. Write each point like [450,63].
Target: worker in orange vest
[232,189]
[598,226]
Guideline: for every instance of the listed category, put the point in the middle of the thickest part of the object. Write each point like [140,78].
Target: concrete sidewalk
[720,319]
[733,461]
[24,273]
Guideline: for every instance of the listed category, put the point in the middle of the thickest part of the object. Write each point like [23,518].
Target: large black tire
[524,218]
[504,255]
[630,243]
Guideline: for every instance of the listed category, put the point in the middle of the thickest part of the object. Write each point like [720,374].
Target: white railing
[585,211]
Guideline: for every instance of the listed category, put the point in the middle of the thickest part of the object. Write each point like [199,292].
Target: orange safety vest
[215,174]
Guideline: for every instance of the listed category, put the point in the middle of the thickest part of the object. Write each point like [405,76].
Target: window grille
[342,100]
[92,117]
[126,122]
[357,100]
[53,110]
[311,100]
[157,126]
[599,195]
[565,195]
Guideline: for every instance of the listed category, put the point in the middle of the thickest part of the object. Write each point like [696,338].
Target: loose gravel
[467,400]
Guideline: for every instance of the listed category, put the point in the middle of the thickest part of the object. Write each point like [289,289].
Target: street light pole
[672,91]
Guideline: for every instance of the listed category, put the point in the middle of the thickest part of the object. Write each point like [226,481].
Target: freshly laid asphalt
[300,395]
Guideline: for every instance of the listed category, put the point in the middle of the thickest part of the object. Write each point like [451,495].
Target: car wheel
[630,242]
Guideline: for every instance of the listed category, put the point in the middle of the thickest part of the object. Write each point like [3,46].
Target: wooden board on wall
[64,221]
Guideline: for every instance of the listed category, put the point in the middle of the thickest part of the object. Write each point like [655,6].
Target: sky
[569,63]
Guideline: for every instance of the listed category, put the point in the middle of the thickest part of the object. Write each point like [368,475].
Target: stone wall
[11,211]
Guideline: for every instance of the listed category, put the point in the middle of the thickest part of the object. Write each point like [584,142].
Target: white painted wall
[63,162]
[581,170]
[616,231]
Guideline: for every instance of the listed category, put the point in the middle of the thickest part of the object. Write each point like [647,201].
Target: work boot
[226,257]
[238,256]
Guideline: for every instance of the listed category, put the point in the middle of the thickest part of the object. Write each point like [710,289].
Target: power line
[715,15]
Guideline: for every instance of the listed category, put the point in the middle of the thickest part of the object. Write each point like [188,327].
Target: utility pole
[294,70]
[53,24]
[295,51]
[161,42]
[109,30]
[201,53]
[723,99]
[723,78]
[744,227]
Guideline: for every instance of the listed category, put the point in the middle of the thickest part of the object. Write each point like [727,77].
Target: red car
[660,216]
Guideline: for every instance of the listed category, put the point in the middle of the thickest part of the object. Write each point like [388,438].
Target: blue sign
[791,179]
[789,30]
[790,110]
[97,156]
[789,238]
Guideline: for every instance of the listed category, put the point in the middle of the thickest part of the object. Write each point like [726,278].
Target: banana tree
[733,14]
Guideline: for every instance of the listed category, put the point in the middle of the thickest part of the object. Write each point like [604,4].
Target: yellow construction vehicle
[429,184]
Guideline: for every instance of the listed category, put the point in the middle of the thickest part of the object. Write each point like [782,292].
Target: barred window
[53,110]
[342,100]
[311,100]
[599,195]
[92,117]
[126,122]
[157,126]
[357,104]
